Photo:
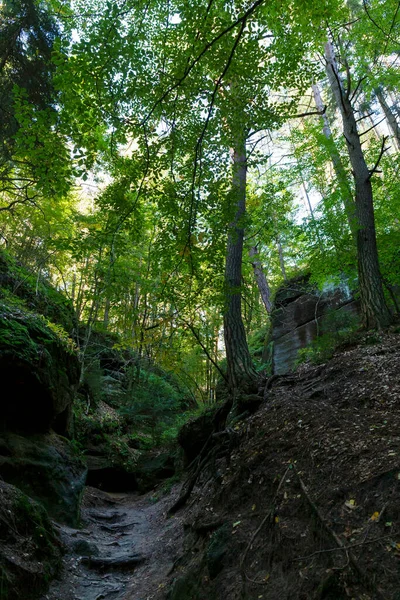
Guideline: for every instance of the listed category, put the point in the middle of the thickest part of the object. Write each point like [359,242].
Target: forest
[155,155]
[173,173]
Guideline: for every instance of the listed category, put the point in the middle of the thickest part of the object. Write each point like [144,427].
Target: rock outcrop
[30,552]
[39,369]
[298,317]
[44,467]
[39,372]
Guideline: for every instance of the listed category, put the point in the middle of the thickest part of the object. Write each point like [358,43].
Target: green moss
[25,524]
[26,335]
[22,289]
[32,520]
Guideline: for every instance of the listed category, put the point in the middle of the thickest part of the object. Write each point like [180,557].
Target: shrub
[338,327]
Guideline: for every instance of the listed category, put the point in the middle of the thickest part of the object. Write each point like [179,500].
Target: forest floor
[301,501]
[131,545]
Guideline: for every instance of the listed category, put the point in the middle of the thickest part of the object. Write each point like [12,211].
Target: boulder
[195,433]
[153,467]
[44,467]
[39,371]
[30,552]
[105,475]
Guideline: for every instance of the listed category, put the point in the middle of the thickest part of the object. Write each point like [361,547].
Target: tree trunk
[241,373]
[106,318]
[261,280]
[374,311]
[338,167]
[390,117]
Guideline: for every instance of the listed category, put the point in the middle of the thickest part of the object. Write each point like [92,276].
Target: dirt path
[123,551]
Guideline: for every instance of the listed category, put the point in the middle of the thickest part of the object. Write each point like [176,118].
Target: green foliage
[339,327]
[144,106]
[23,288]
[154,405]
[28,335]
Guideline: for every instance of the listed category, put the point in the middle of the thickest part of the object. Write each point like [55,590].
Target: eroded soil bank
[300,501]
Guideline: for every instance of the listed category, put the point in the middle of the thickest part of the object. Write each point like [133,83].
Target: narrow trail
[123,551]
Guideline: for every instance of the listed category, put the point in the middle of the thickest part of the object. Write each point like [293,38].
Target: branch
[364,117]
[199,143]
[387,35]
[345,548]
[383,150]
[391,27]
[357,88]
[241,20]
[206,352]
[307,114]
[373,127]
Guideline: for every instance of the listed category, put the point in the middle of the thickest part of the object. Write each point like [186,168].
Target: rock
[45,468]
[30,552]
[84,548]
[217,549]
[109,563]
[195,433]
[300,312]
[190,586]
[39,371]
[105,475]
[34,292]
[153,467]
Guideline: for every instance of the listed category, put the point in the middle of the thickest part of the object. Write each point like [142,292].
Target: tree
[374,310]
[33,156]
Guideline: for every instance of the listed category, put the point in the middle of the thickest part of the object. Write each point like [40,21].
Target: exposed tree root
[364,577]
[268,515]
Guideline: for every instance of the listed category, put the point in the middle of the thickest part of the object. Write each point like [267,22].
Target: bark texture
[374,310]
[389,115]
[241,373]
[261,279]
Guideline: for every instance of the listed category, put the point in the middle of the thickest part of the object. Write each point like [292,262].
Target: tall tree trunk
[390,117]
[395,104]
[338,167]
[106,318]
[261,279]
[374,311]
[241,373]
[281,257]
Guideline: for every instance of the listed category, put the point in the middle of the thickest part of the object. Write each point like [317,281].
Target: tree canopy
[150,150]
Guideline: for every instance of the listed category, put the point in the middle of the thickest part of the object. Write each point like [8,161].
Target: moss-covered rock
[39,370]
[153,467]
[45,468]
[20,287]
[189,586]
[30,552]
[217,549]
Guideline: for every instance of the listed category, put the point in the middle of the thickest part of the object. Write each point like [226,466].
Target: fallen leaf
[236,524]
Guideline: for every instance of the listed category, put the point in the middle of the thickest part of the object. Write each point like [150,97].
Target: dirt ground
[125,548]
[309,496]
[300,501]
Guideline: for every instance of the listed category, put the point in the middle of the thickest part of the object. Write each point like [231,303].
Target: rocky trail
[124,550]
